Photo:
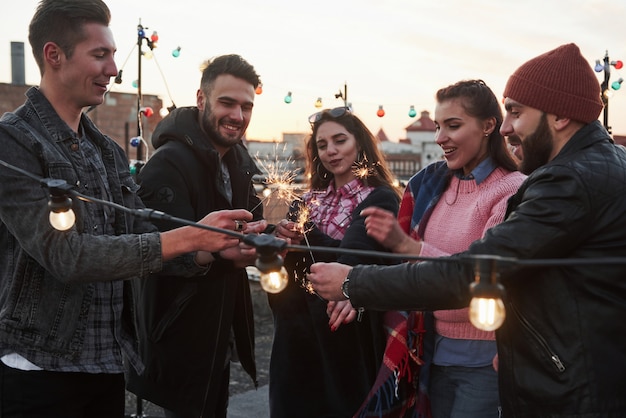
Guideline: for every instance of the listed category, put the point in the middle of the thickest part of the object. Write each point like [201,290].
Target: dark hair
[366,141]
[232,64]
[62,22]
[479,101]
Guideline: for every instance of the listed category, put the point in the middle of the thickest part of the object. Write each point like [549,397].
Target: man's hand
[327,279]
[224,219]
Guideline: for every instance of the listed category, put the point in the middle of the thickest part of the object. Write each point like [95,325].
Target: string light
[288,98]
[412,112]
[318,102]
[176,52]
[486,309]
[381,112]
[259,89]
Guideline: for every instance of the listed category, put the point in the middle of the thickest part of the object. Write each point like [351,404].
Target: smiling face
[463,138]
[81,79]
[337,150]
[225,110]
[531,127]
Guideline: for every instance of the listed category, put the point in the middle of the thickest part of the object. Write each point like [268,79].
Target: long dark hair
[319,178]
[479,101]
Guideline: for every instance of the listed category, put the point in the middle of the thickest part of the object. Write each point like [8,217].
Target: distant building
[422,134]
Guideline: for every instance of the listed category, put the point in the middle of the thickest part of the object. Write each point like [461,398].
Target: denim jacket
[45,274]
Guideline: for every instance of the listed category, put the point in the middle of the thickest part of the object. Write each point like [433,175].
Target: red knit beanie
[560,82]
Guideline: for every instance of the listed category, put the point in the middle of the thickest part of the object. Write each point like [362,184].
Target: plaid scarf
[400,387]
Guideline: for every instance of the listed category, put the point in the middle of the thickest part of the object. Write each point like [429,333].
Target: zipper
[359,314]
[554,358]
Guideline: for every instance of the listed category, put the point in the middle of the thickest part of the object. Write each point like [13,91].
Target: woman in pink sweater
[445,207]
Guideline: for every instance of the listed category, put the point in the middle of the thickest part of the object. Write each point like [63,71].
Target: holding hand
[327,279]
[383,226]
[289,231]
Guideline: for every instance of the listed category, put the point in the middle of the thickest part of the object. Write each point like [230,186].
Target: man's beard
[210,128]
[537,147]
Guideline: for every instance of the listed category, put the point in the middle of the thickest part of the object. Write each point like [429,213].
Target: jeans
[464,392]
[43,394]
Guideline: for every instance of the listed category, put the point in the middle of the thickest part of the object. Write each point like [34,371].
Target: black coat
[562,348]
[316,372]
[185,324]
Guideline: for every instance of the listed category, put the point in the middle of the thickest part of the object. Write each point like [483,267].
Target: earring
[318,171]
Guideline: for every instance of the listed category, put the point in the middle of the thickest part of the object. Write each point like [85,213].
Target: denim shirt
[47,276]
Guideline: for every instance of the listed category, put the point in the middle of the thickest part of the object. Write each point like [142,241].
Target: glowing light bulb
[618,64]
[62,221]
[318,102]
[274,281]
[259,89]
[288,98]
[487,314]
[176,52]
[412,112]
[381,112]
[148,54]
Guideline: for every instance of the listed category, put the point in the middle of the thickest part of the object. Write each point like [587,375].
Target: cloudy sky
[394,53]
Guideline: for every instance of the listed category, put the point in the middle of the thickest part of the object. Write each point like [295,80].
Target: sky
[394,53]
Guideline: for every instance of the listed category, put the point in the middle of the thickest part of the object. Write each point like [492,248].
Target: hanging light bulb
[288,98]
[274,277]
[259,89]
[135,83]
[617,64]
[146,111]
[274,281]
[154,37]
[412,112]
[61,216]
[381,112]
[148,54]
[176,52]
[617,84]
[486,309]
[599,67]
[318,102]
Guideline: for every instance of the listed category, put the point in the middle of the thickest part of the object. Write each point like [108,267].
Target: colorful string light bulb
[288,98]
[412,112]
[381,112]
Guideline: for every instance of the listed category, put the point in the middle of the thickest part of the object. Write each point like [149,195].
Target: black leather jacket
[185,325]
[562,348]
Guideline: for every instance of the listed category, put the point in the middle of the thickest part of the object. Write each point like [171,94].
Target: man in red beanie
[562,345]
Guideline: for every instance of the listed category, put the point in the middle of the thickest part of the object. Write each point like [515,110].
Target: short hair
[232,64]
[62,22]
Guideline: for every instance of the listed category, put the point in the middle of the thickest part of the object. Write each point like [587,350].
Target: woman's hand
[339,313]
[289,231]
[383,226]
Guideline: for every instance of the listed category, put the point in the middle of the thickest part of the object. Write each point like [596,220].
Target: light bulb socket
[59,199]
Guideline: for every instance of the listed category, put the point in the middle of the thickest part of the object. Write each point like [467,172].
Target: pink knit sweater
[463,214]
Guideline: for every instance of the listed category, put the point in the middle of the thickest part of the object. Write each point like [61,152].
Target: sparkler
[364,169]
[279,178]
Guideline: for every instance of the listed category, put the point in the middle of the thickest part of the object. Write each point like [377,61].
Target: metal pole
[605,91]
[139,43]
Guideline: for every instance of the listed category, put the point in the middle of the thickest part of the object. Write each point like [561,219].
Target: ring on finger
[239,225]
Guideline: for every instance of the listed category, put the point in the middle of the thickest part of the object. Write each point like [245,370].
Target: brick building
[116,117]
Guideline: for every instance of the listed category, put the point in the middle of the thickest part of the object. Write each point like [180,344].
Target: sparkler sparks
[279,177]
[364,169]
